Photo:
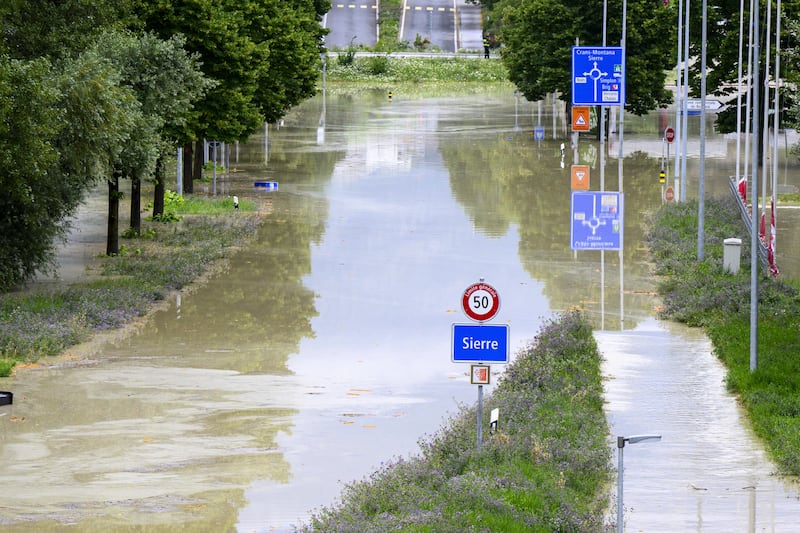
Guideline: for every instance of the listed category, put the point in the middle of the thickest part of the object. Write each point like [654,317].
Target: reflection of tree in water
[502,180]
[254,314]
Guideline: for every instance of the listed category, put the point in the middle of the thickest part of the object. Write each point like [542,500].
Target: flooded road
[708,473]
[324,348]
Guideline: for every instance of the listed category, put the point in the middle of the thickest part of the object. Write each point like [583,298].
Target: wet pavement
[708,472]
[323,348]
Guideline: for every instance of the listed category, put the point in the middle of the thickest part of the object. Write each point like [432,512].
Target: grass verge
[45,322]
[385,68]
[700,293]
[546,469]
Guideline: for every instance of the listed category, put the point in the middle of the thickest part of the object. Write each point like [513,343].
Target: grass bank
[410,69]
[700,293]
[547,468]
[167,256]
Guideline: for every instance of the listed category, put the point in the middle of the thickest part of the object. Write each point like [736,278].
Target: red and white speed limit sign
[480,301]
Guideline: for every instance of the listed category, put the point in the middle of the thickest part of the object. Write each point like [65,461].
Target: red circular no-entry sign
[669,134]
[480,301]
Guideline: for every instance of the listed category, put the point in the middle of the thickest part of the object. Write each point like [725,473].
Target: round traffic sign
[669,194]
[669,134]
[480,301]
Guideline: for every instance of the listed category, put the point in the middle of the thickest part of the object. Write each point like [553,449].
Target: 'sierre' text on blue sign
[484,343]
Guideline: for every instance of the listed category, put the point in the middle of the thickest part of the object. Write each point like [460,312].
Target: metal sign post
[480,343]
[480,375]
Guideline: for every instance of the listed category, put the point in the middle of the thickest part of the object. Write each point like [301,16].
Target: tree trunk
[136,205]
[188,158]
[112,238]
[158,192]
[198,160]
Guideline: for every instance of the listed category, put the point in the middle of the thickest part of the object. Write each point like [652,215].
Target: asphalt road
[434,20]
[448,25]
[352,22]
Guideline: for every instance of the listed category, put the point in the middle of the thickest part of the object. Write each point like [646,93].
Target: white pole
[619,160]
[739,93]
[701,194]
[622,92]
[620,507]
[776,123]
[480,416]
[678,94]
[748,104]
[685,127]
[179,177]
[765,133]
[603,115]
[754,210]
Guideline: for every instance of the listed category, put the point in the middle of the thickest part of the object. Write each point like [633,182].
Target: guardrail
[744,211]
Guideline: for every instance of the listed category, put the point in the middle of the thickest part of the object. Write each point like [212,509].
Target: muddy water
[324,348]
[708,473]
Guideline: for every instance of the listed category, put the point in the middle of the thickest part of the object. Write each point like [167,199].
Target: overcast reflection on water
[323,349]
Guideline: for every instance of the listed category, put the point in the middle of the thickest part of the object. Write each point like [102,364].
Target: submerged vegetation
[701,293]
[42,321]
[546,468]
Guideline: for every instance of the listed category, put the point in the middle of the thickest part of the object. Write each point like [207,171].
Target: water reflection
[323,349]
[708,473]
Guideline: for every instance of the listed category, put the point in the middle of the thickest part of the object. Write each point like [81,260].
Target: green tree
[293,34]
[57,28]
[166,81]
[102,115]
[29,204]
[791,76]
[263,55]
[60,131]
[539,61]
[723,58]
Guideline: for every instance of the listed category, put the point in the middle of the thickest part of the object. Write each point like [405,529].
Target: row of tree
[95,90]
[538,36]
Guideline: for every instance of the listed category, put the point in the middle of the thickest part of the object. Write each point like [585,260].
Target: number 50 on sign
[480,302]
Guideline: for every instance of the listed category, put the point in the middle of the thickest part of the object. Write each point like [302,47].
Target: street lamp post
[620,446]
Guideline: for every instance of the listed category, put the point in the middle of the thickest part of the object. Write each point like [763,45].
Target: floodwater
[324,348]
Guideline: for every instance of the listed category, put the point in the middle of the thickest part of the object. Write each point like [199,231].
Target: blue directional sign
[538,133]
[596,220]
[480,343]
[598,75]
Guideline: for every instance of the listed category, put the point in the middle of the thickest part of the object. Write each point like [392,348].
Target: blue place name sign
[483,343]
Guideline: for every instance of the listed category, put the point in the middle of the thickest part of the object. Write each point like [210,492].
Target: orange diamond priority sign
[580,177]
[580,118]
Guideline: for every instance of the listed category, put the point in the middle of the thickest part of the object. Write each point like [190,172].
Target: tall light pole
[685,113]
[678,97]
[620,446]
[754,201]
[701,195]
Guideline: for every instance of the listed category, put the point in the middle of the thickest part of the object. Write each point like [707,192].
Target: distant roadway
[353,21]
[449,25]
[434,20]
